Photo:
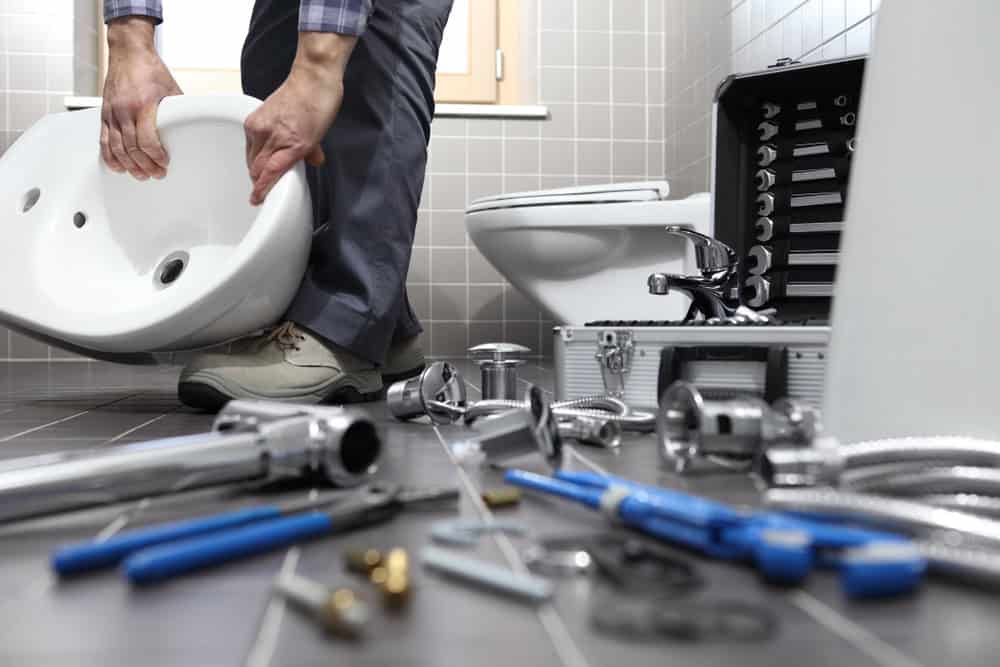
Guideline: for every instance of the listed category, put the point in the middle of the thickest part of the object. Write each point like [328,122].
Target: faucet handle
[710,254]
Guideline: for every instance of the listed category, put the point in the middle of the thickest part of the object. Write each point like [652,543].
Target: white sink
[103,264]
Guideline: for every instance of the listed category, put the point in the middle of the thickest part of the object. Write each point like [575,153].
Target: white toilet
[104,265]
[585,253]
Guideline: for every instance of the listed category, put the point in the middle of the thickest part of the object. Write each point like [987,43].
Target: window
[478,61]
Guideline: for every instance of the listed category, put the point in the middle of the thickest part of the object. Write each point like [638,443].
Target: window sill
[517,111]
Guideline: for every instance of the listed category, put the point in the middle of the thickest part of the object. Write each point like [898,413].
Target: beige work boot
[403,360]
[288,364]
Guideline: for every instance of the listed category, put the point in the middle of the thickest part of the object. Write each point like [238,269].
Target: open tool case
[784,142]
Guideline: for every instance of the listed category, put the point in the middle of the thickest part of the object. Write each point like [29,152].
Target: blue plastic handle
[530,480]
[79,558]
[168,560]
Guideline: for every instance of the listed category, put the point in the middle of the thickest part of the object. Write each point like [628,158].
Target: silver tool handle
[130,471]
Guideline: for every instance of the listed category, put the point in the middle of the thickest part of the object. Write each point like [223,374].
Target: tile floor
[226,617]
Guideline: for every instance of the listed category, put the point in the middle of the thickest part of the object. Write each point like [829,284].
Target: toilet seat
[613,193]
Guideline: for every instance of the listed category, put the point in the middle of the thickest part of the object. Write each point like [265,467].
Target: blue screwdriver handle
[168,560]
[87,556]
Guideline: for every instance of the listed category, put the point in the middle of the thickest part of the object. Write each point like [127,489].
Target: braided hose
[593,407]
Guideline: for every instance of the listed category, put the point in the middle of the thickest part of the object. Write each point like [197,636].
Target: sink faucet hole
[79,219]
[29,199]
[171,268]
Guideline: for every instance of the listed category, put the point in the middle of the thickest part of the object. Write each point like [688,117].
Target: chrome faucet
[709,292]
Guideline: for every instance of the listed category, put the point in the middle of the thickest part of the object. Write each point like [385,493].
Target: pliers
[160,552]
[784,547]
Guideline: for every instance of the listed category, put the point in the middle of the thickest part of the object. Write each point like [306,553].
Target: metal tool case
[784,141]
[638,360]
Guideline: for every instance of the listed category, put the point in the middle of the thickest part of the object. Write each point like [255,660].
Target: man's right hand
[136,82]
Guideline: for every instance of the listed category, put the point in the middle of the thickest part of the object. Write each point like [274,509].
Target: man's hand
[137,80]
[290,124]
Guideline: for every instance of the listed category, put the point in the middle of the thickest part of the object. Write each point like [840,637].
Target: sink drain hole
[29,199]
[79,219]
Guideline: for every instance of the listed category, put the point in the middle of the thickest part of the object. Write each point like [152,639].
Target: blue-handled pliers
[163,551]
[784,547]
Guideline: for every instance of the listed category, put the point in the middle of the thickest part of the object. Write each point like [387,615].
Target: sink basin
[105,265]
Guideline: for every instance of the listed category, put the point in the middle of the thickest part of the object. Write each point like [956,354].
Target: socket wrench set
[785,138]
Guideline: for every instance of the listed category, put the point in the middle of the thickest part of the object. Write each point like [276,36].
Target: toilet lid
[612,193]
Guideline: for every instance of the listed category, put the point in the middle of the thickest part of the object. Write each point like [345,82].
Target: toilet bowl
[585,253]
[105,265]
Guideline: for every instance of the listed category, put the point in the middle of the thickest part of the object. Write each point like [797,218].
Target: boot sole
[392,378]
[203,396]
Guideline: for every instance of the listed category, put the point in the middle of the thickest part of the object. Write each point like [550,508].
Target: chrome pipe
[593,407]
[341,449]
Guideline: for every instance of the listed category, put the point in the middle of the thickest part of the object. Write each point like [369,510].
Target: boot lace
[286,337]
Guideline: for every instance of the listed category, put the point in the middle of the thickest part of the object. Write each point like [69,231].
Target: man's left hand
[292,122]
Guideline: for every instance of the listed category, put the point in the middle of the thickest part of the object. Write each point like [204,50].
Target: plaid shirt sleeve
[347,17]
[114,9]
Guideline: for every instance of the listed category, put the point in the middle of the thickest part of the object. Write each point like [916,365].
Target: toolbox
[784,143]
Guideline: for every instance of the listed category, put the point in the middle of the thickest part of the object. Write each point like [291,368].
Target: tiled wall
[629,85]
[708,39]
[48,50]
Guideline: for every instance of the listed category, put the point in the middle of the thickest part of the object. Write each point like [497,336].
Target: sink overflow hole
[79,219]
[171,271]
[29,200]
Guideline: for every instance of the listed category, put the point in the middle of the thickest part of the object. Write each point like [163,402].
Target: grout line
[569,653]
[611,91]
[136,428]
[262,649]
[64,419]
[875,648]
[843,32]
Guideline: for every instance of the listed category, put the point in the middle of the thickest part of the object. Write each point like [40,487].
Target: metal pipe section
[592,431]
[340,449]
[965,502]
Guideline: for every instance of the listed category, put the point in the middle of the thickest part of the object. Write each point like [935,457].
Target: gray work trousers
[365,197]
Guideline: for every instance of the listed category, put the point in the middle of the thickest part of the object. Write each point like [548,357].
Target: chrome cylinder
[499,379]
[341,449]
[604,433]
[527,429]
[690,427]
[433,393]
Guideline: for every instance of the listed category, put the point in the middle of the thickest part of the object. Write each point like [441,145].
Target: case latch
[614,354]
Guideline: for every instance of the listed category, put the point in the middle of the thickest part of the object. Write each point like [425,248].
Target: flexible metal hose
[594,407]
[905,516]
[965,502]
[904,480]
[946,449]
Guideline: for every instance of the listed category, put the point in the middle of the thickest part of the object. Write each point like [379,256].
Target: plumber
[348,87]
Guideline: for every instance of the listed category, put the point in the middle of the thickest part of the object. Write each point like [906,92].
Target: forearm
[131,34]
[115,9]
[323,56]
